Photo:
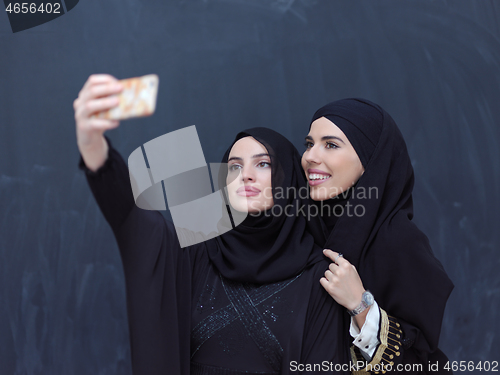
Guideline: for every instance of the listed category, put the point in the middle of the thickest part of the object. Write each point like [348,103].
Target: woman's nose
[247,174]
[311,156]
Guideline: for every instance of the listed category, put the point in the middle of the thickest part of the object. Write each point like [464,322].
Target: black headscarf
[272,246]
[393,257]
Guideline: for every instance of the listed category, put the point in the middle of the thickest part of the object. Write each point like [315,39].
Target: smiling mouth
[316,179]
[317,176]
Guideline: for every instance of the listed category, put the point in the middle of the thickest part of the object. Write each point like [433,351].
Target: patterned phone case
[137,99]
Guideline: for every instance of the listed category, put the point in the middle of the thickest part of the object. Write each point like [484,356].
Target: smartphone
[137,99]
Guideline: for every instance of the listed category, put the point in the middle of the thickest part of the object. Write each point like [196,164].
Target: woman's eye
[234,167]
[331,145]
[308,144]
[264,164]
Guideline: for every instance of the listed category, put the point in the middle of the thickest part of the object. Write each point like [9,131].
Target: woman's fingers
[100,90]
[330,284]
[324,283]
[88,108]
[333,267]
[328,275]
[98,86]
[86,91]
[336,257]
[341,280]
[97,92]
[96,79]
[333,255]
[330,254]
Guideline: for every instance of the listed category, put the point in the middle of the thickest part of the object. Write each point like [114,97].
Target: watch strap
[362,305]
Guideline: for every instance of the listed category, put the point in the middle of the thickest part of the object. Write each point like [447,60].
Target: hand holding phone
[137,99]
[102,101]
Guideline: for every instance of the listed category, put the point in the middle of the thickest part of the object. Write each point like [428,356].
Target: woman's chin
[318,195]
[249,205]
[246,208]
[323,193]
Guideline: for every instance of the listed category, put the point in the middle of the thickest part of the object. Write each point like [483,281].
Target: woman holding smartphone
[246,302]
[383,271]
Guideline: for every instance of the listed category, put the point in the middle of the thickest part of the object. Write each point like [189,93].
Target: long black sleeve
[111,188]
[158,273]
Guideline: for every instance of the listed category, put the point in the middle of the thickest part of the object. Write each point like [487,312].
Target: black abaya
[393,257]
[186,317]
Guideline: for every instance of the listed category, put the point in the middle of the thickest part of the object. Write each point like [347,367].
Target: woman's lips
[316,177]
[317,182]
[247,191]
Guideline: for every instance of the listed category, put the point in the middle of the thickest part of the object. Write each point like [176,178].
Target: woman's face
[330,162]
[249,177]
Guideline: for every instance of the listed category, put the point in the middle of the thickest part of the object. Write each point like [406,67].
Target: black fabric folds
[393,257]
[277,244]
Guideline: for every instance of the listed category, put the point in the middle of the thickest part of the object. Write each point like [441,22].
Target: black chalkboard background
[224,66]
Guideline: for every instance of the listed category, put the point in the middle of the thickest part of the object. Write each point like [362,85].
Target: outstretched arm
[96,95]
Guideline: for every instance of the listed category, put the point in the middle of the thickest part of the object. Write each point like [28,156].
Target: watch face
[368,298]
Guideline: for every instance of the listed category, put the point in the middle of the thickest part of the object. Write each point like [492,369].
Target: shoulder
[402,233]
[145,229]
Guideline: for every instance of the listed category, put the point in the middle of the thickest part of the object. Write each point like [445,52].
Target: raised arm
[106,171]
[98,94]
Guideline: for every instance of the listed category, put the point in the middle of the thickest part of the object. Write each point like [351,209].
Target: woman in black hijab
[361,178]
[246,302]
[254,251]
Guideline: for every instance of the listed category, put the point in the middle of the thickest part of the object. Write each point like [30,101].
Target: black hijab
[393,257]
[277,244]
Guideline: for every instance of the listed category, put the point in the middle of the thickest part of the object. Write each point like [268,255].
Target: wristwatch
[366,301]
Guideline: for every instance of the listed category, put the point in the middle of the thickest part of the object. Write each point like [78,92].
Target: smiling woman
[354,145]
[341,167]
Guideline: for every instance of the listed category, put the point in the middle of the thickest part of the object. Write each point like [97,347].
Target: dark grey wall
[224,66]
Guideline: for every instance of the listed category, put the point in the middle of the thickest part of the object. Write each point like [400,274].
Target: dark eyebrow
[260,155]
[325,138]
[253,157]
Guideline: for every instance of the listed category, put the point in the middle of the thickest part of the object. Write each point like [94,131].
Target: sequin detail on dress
[207,299]
[225,316]
[270,311]
[230,339]
[254,323]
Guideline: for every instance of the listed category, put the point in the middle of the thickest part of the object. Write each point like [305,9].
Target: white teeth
[316,176]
